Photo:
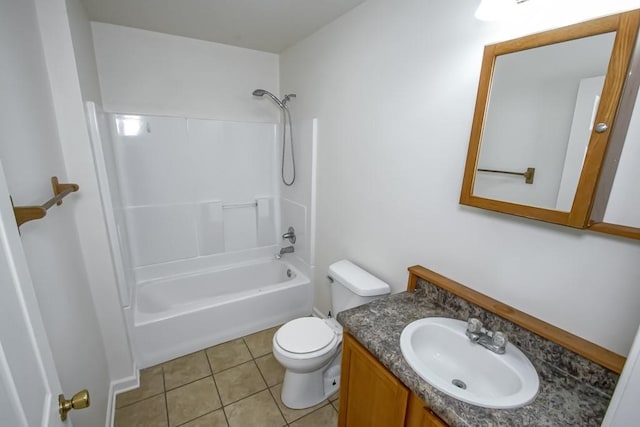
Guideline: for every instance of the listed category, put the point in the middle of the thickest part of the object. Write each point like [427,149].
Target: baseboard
[119,386]
[317,313]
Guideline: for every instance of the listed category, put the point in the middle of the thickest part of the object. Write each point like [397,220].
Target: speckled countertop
[573,391]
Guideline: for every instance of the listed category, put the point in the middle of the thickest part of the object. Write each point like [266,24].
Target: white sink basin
[440,352]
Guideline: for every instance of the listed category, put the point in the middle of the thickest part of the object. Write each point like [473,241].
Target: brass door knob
[79,400]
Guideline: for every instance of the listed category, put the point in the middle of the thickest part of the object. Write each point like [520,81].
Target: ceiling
[267,25]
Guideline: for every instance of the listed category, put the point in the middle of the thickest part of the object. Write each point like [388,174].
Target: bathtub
[174,316]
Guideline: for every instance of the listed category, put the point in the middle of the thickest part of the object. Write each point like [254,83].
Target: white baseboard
[119,386]
[317,313]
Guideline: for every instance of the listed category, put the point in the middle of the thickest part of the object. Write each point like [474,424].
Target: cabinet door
[419,415]
[370,396]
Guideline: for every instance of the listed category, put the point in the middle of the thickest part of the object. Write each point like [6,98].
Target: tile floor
[234,384]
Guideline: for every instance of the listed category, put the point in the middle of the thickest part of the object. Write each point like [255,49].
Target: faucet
[287,250]
[290,234]
[494,341]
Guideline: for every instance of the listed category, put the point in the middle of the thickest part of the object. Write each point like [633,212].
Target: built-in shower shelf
[240,205]
[29,213]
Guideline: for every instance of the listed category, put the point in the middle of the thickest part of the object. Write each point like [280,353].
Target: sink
[438,350]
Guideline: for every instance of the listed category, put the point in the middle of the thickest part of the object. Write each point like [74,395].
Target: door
[623,409]
[29,383]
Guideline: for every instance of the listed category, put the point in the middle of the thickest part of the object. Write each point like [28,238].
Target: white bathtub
[181,314]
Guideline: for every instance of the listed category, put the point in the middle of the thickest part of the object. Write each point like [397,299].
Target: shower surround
[194,212]
[195,187]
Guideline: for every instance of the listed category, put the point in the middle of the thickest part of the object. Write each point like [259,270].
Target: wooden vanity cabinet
[419,415]
[370,396]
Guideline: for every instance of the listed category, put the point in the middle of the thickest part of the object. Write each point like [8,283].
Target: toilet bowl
[310,348]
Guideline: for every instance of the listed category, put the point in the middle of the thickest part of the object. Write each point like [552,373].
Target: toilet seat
[305,336]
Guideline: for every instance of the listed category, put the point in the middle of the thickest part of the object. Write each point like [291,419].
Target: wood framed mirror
[545,108]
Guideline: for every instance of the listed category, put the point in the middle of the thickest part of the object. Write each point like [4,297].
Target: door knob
[79,400]
[601,127]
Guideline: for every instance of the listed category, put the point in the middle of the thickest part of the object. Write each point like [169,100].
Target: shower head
[262,92]
[286,116]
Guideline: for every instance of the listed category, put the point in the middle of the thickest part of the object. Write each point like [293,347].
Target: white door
[29,384]
[623,410]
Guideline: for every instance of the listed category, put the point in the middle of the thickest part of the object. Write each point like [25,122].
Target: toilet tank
[353,286]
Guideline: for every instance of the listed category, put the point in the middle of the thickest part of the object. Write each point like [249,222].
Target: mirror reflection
[540,115]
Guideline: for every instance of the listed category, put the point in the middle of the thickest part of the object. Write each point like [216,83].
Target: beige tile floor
[235,384]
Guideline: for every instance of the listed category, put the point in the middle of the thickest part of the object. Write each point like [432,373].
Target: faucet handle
[290,234]
[500,340]
[474,325]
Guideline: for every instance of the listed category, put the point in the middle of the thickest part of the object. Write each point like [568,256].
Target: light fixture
[496,10]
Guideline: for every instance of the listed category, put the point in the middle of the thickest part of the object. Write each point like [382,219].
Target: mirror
[544,110]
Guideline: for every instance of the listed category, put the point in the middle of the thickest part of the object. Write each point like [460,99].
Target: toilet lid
[304,335]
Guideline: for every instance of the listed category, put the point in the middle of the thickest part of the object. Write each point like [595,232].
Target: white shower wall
[194,188]
[111,196]
[297,201]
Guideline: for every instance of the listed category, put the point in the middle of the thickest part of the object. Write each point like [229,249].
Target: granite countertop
[563,399]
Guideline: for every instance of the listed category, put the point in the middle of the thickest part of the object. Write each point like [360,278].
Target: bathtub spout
[287,250]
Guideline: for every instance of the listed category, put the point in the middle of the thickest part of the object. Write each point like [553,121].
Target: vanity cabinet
[419,415]
[370,396]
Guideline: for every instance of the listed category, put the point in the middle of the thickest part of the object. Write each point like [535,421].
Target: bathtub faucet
[287,250]
[290,235]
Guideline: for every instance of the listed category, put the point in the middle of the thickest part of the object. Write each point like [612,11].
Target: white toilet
[310,348]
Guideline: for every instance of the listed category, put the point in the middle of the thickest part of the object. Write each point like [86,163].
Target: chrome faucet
[290,234]
[287,250]
[494,341]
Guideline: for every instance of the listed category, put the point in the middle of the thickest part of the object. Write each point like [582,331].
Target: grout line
[215,384]
[326,402]
[141,400]
[188,383]
[166,405]
[243,363]
[231,367]
[261,374]
[248,395]
[275,400]
[315,410]
[206,356]
[212,375]
[246,345]
[259,332]
[201,416]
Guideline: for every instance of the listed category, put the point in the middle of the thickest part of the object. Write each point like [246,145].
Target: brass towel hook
[29,213]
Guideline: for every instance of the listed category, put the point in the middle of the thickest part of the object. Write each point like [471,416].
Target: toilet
[310,348]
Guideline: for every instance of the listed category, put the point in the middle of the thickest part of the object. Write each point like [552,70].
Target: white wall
[298,200]
[72,131]
[153,73]
[393,85]
[31,153]
[111,197]
[83,51]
